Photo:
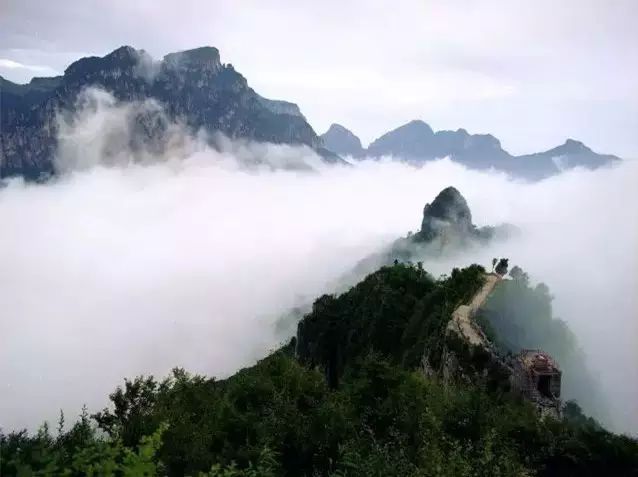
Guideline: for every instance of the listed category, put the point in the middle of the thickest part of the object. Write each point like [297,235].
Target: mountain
[447,222]
[566,156]
[192,86]
[341,141]
[411,140]
[446,228]
[375,383]
[401,374]
[416,142]
[447,214]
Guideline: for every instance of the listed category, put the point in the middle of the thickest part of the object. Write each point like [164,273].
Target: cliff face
[448,221]
[446,228]
[192,86]
[448,213]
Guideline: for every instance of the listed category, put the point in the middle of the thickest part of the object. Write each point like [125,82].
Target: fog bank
[189,258]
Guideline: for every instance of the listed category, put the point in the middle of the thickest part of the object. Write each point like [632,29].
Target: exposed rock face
[446,228]
[448,212]
[192,86]
[416,142]
[448,220]
[281,107]
[341,141]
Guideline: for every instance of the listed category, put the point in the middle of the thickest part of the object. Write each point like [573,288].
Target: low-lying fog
[110,272]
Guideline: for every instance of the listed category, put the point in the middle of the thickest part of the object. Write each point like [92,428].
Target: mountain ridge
[416,142]
[192,86]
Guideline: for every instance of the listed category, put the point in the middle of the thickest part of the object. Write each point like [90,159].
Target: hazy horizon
[532,74]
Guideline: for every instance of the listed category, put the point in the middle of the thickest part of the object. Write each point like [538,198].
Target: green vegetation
[347,398]
[400,312]
[518,315]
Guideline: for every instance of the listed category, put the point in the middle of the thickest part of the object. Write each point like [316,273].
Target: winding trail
[462,323]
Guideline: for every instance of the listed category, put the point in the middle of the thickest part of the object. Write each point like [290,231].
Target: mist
[139,258]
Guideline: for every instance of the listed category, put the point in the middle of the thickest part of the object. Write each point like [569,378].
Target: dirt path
[462,323]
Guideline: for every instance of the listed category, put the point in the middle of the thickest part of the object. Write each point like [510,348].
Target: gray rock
[191,86]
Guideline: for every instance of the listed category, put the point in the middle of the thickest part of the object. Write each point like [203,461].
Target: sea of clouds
[136,259]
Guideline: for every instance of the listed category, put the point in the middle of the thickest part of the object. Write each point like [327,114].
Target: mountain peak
[572,145]
[417,125]
[335,127]
[449,210]
[121,58]
[124,51]
[202,56]
[486,141]
[448,222]
[449,204]
[341,140]
[411,140]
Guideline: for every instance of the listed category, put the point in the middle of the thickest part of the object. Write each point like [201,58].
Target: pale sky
[530,72]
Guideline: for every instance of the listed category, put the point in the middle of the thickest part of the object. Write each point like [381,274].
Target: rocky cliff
[446,228]
[448,221]
[193,86]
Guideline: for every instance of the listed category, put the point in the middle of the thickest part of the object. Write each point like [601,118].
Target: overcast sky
[530,72]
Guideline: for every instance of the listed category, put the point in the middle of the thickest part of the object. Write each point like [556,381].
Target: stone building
[537,377]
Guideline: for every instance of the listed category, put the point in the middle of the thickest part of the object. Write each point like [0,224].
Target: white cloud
[191,258]
[4,63]
[33,69]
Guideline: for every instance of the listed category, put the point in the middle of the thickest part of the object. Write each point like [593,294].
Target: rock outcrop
[448,213]
[446,228]
[448,220]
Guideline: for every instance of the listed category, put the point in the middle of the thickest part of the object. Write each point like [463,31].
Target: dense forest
[366,388]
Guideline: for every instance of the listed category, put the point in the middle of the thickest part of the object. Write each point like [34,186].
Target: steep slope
[192,86]
[519,315]
[349,397]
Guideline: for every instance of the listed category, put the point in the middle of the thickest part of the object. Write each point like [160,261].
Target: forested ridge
[366,388]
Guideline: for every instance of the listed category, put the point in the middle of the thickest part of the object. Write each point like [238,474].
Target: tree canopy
[347,397]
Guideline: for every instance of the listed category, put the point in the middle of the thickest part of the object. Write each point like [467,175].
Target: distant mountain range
[192,86]
[416,142]
[195,88]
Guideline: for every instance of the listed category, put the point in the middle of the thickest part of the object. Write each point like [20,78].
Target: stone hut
[537,377]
